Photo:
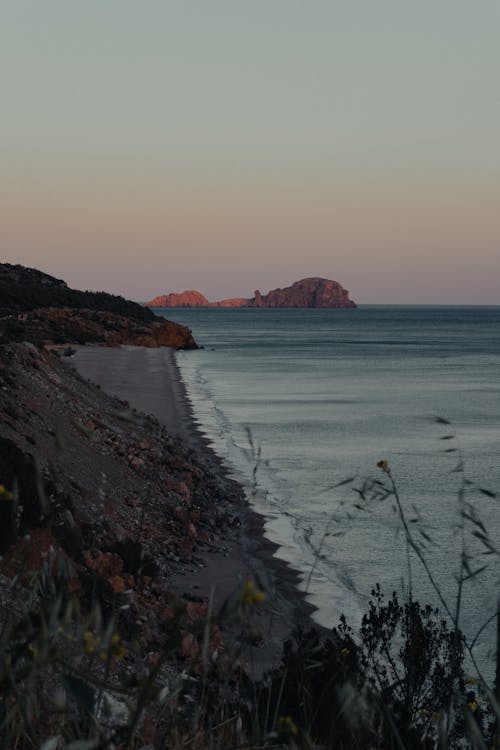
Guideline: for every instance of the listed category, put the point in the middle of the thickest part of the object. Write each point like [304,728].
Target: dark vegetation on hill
[37,307]
[23,289]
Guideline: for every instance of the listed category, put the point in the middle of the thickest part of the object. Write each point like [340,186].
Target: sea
[303,404]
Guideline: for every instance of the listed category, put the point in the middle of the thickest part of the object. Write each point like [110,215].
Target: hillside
[41,309]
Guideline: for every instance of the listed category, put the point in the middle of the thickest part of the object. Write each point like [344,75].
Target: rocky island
[306,293]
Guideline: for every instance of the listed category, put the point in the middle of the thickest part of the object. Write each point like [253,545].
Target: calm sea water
[325,394]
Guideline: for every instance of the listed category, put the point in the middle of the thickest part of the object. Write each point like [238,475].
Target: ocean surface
[297,401]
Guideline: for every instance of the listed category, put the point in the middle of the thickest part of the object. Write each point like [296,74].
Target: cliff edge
[41,309]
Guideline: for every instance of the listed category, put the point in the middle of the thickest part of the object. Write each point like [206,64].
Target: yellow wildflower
[90,641]
[345,651]
[116,648]
[473,705]
[251,596]
[469,681]
[286,725]
[424,711]
[119,652]
[5,494]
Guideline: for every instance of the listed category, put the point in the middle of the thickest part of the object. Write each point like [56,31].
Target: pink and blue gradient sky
[227,145]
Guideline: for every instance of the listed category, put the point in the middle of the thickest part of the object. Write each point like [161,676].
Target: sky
[228,145]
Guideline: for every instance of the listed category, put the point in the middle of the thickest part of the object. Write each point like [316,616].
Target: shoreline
[124,373]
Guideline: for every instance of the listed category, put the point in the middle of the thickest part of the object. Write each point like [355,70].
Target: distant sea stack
[313,292]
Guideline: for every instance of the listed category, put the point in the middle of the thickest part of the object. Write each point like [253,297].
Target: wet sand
[150,381]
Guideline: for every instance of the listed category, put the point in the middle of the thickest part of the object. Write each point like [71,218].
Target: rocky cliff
[65,326]
[38,308]
[189,298]
[311,292]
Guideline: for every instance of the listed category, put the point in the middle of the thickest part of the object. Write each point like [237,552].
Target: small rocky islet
[314,292]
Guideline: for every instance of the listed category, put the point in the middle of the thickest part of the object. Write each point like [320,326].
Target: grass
[71,680]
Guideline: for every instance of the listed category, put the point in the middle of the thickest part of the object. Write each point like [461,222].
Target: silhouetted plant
[414,664]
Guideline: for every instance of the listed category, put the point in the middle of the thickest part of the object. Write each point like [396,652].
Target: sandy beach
[150,381]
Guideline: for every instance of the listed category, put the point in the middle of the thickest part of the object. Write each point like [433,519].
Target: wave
[327,582]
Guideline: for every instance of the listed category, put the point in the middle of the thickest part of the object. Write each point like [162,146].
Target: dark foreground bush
[66,677]
[401,683]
